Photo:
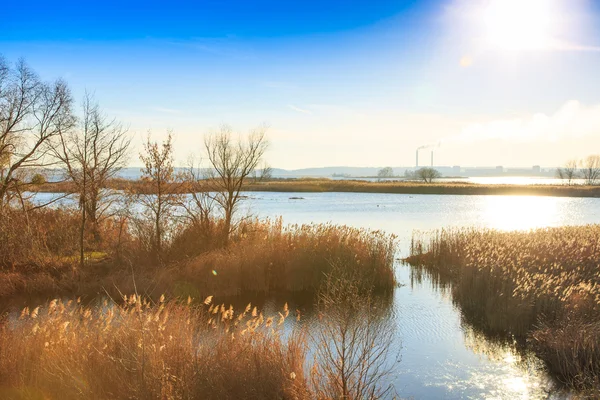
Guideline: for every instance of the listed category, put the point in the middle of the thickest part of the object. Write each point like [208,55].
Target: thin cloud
[166,110]
[298,109]
[572,120]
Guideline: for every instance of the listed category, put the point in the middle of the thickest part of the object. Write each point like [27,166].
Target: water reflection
[514,372]
[523,374]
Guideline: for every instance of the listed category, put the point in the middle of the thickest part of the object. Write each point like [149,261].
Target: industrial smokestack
[417,158]
[431,158]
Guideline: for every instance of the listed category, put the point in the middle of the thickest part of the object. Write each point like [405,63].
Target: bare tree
[92,154]
[590,169]
[352,343]
[569,172]
[263,173]
[386,172]
[199,207]
[428,174]
[161,198]
[32,113]
[232,161]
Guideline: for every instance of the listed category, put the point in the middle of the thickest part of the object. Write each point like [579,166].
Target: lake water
[440,357]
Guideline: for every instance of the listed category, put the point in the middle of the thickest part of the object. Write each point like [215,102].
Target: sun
[519,24]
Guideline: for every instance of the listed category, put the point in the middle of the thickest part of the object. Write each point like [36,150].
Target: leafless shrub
[590,169]
[160,200]
[569,172]
[352,343]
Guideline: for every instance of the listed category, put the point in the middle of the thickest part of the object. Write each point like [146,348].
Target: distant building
[536,169]
[500,169]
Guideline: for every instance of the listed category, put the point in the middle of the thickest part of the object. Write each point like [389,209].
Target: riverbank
[542,287]
[358,186]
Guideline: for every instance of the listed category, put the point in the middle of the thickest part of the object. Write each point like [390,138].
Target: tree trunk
[82,235]
[158,232]
[92,211]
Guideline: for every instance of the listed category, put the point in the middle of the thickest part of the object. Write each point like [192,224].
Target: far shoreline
[319,185]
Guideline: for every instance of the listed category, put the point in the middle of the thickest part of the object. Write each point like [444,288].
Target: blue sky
[359,83]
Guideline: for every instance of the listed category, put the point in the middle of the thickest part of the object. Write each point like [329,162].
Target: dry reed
[267,256]
[543,285]
[141,350]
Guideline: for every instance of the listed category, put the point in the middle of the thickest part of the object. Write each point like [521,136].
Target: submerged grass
[542,285]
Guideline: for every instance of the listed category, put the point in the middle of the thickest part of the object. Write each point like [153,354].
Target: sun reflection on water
[519,212]
[517,375]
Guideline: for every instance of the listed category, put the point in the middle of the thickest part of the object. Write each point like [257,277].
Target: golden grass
[41,237]
[543,285]
[266,256]
[141,350]
[38,256]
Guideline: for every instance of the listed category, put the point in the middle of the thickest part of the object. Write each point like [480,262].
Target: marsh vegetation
[542,287]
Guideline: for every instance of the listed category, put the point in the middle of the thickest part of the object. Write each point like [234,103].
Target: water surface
[440,355]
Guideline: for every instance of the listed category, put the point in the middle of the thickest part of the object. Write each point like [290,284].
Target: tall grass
[149,351]
[139,349]
[542,285]
[38,256]
[267,257]
[36,238]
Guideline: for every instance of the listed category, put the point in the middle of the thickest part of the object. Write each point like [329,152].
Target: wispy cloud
[298,109]
[572,120]
[166,110]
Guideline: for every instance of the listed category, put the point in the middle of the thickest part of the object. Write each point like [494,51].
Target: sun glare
[519,212]
[519,24]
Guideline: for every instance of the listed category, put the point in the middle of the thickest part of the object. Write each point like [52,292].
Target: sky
[339,83]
